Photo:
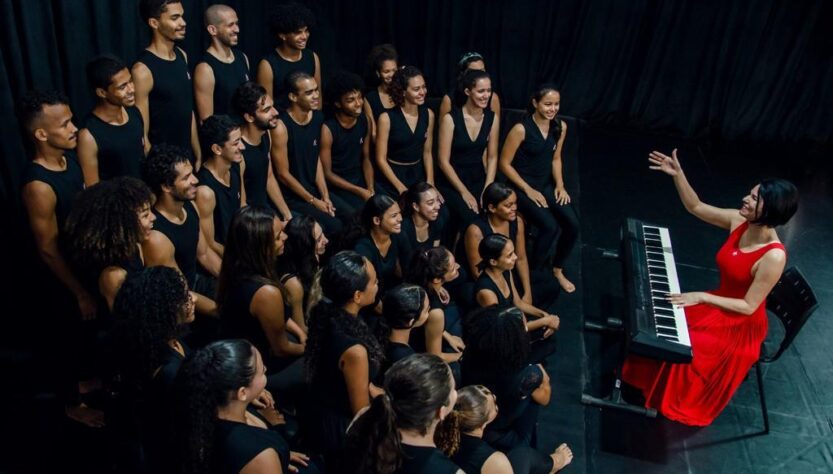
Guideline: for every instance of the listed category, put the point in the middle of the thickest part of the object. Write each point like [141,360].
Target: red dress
[725,345]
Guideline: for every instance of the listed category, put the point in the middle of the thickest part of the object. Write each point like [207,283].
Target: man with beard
[176,240]
[50,182]
[112,142]
[163,83]
[289,23]
[221,192]
[345,142]
[258,115]
[223,67]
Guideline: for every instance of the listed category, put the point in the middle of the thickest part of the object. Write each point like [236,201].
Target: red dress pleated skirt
[725,345]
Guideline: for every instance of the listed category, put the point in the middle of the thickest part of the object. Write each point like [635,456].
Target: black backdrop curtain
[753,69]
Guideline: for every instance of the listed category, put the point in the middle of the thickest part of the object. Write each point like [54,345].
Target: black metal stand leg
[763,397]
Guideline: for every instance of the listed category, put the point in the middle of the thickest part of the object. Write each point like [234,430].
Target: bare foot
[562,456]
[85,415]
[566,284]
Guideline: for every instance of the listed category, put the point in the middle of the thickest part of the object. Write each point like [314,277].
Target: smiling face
[258,383]
[351,104]
[368,296]
[429,205]
[185,184]
[547,108]
[232,149]
[752,205]
[507,209]
[171,23]
[507,258]
[121,91]
[480,94]
[320,240]
[280,236]
[146,219]
[387,71]
[266,115]
[227,29]
[297,39]
[391,220]
[307,97]
[416,90]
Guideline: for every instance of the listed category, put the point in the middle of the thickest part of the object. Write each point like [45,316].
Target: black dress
[227,77]
[405,149]
[236,444]
[472,454]
[226,198]
[120,147]
[171,101]
[425,460]
[282,68]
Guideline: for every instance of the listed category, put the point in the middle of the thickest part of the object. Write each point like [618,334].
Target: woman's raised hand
[669,165]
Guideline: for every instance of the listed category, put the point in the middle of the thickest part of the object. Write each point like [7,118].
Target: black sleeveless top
[65,184]
[227,77]
[425,460]
[226,198]
[237,321]
[465,152]
[485,282]
[385,266]
[236,444]
[184,238]
[408,238]
[472,454]
[302,150]
[120,147]
[533,160]
[376,106]
[346,153]
[482,223]
[282,68]
[405,146]
[451,312]
[171,101]
[257,171]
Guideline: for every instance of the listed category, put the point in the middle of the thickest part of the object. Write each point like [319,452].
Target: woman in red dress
[727,325]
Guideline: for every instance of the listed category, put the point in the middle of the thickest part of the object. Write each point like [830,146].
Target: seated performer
[383,63]
[471,61]
[727,325]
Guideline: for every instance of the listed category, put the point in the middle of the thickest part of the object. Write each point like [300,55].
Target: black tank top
[376,105]
[120,147]
[257,171]
[425,460]
[485,282]
[302,149]
[282,68]
[237,322]
[236,444]
[482,223]
[65,184]
[347,149]
[533,160]
[465,152]
[184,238]
[226,198]
[171,101]
[472,454]
[227,77]
[405,146]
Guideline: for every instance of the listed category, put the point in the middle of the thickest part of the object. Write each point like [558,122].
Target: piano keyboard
[662,278]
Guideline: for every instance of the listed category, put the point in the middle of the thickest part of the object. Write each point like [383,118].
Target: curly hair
[299,256]
[159,166]
[344,275]
[148,314]
[215,130]
[30,106]
[377,57]
[470,413]
[339,84]
[205,382]
[249,252]
[496,337]
[246,98]
[539,94]
[290,17]
[416,387]
[399,84]
[103,227]
[428,265]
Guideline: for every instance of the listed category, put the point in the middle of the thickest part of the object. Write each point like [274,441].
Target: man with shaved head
[223,67]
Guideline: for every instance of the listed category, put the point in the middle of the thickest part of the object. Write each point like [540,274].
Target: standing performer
[112,142]
[223,67]
[405,134]
[531,159]
[383,63]
[470,61]
[726,325]
[290,25]
[468,147]
[163,83]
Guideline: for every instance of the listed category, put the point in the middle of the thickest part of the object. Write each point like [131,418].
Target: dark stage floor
[615,182]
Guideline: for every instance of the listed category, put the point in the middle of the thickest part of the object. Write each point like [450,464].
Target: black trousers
[557,227]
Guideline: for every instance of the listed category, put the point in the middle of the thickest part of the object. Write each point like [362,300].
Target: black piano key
[665,321]
[666,332]
[668,313]
[660,286]
[654,270]
[656,243]
[669,338]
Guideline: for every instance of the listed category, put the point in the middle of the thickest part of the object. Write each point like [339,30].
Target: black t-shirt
[425,460]
[184,237]
[385,266]
[406,146]
[282,68]
[257,172]
[472,454]
[227,77]
[65,184]
[120,147]
[302,148]
[226,199]
[236,444]
[171,101]
[346,153]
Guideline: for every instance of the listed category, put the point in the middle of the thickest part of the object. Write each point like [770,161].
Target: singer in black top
[468,147]
[345,142]
[295,155]
[405,134]
[257,115]
[163,81]
[112,141]
[223,67]
[531,159]
[221,192]
[382,63]
[289,23]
